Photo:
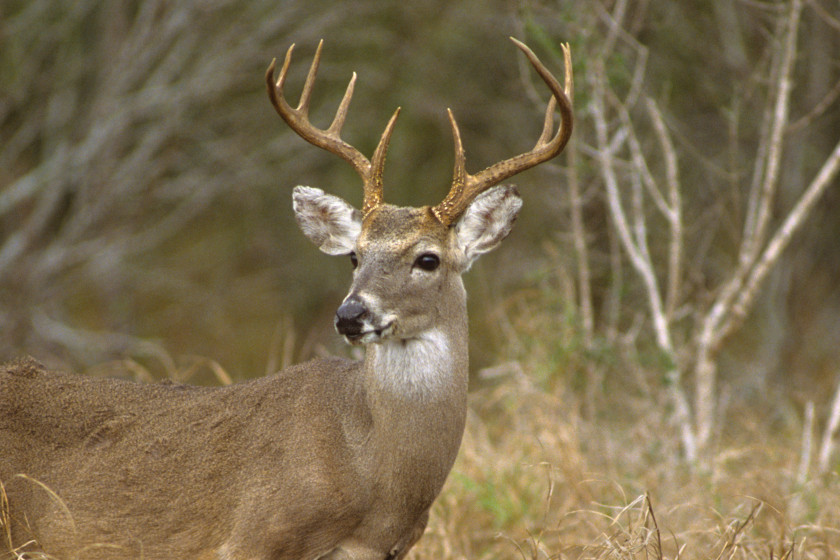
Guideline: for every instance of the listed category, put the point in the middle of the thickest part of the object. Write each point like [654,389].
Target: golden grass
[536,480]
[573,455]
[21,550]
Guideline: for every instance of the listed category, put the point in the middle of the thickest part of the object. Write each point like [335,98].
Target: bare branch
[818,110]
[825,16]
[831,427]
[640,164]
[762,199]
[579,240]
[780,240]
[635,245]
[711,333]
[674,210]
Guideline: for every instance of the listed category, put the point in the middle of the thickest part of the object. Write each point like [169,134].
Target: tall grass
[537,479]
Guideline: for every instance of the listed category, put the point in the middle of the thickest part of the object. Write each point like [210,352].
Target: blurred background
[145,179]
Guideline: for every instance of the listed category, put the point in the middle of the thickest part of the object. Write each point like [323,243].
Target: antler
[466,187]
[330,139]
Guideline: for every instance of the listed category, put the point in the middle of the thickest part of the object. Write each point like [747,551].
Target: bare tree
[122,127]
[638,155]
[110,154]
[631,182]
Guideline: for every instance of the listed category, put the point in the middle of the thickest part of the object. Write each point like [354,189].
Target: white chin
[371,337]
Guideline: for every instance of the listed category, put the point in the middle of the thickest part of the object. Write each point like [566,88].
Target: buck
[329,459]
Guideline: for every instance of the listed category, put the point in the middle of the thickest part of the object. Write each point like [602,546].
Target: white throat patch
[418,366]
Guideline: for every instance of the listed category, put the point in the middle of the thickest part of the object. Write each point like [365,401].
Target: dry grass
[536,480]
[19,550]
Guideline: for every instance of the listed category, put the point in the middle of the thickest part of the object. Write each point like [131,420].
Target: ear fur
[487,221]
[328,221]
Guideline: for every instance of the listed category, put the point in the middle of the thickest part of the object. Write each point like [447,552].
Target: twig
[818,110]
[827,444]
[780,240]
[757,221]
[731,543]
[579,240]
[807,443]
[655,526]
[674,214]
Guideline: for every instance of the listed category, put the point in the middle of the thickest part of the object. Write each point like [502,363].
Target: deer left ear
[487,221]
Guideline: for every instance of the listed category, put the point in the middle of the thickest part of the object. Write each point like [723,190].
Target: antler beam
[465,187]
[330,139]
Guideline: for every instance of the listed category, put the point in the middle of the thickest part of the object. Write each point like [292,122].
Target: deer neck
[417,394]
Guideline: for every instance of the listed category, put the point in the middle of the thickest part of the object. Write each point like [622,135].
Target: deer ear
[487,220]
[328,221]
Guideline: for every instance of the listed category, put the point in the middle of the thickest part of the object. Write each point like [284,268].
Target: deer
[330,459]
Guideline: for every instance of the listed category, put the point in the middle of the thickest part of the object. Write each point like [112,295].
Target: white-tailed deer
[330,459]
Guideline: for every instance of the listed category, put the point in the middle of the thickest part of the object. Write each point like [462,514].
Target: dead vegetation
[536,480]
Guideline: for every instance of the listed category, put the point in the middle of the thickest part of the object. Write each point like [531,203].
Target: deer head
[421,250]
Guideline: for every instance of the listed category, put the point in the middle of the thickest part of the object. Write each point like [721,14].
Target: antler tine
[373,189]
[460,177]
[341,113]
[306,94]
[330,138]
[465,187]
[548,124]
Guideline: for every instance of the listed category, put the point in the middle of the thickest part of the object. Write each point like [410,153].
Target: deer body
[148,469]
[329,459]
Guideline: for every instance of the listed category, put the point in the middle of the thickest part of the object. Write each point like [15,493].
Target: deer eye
[427,261]
[354,260]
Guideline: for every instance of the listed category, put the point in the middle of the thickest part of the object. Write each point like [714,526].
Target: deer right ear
[487,221]
[328,221]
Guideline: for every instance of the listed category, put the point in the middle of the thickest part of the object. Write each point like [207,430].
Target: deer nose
[348,317]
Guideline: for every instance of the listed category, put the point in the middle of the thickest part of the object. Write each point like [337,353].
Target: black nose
[348,317]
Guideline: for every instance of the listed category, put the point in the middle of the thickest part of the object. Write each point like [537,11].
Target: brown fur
[135,458]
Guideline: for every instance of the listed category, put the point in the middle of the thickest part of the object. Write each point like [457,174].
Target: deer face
[407,264]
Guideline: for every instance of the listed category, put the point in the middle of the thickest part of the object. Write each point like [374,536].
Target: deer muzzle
[350,318]
[358,324]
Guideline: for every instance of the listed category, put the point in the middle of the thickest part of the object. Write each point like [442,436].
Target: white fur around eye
[328,221]
[487,221]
